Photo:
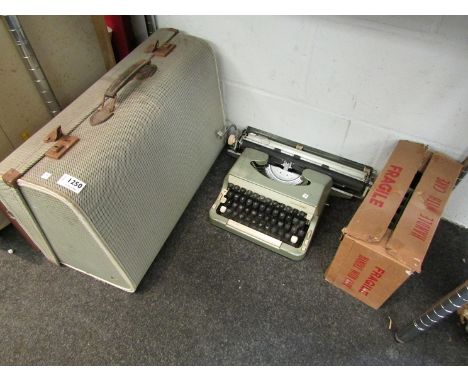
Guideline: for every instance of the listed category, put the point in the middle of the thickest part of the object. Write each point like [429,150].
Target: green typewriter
[277,189]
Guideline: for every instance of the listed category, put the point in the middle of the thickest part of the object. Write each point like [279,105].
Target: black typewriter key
[288,218]
[294,229]
[267,201]
[236,188]
[247,210]
[248,218]
[275,213]
[267,226]
[280,232]
[302,214]
[300,233]
[295,220]
[301,223]
[234,205]
[260,224]
[274,229]
[229,202]
[280,224]
[287,236]
[242,190]
[268,210]
[273,221]
[248,202]
[281,206]
[287,227]
[234,214]
[253,212]
[229,211]
[261,207]
[241,216]
[229,194]
[242,199]
[236,196]
[261,198]
[255,204]
[281,215]
[253,221]
[260,215]
[288,210]
[230,185]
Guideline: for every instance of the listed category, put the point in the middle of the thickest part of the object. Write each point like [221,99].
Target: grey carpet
[211,297]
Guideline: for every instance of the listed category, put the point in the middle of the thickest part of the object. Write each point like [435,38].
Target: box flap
[366,271]
[371,220]
[416,227]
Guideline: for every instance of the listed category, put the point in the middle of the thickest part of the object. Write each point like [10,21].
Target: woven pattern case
[141,167]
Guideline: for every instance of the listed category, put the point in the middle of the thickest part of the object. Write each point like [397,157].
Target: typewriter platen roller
[287,160]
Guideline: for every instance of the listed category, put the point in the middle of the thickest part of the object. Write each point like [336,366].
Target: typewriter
[277,189]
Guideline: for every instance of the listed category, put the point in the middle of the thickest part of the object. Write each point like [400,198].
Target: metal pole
[463,171]
[32,64]
[438,312]
[151,25]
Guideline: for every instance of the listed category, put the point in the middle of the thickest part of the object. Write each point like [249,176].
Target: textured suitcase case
[102,193]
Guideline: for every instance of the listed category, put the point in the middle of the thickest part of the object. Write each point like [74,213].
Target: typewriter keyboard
[262,214]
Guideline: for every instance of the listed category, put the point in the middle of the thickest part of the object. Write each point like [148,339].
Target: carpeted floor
[212,298]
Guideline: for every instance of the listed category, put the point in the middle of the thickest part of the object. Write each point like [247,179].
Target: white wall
[352,86]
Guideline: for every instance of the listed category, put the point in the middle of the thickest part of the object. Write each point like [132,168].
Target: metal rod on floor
[32,64]
[438,312]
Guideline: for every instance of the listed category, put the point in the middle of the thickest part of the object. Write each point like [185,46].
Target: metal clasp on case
[63,143]
[164,49]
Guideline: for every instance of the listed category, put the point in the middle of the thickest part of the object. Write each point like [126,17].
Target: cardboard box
[374,258]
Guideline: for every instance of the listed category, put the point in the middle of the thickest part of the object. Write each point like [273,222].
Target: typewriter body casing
[135,158]
[309,198]
[298,177]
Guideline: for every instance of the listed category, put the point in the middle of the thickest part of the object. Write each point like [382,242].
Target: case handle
[141,70]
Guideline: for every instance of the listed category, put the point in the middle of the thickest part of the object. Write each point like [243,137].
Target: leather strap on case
[140,70]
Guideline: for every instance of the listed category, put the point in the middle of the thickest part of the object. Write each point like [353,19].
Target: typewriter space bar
[254,233]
